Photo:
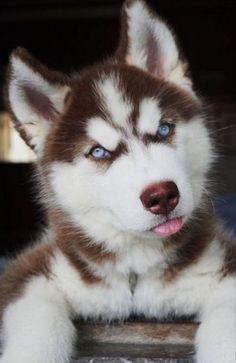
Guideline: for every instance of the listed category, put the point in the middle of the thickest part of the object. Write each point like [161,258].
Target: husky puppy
[123,156]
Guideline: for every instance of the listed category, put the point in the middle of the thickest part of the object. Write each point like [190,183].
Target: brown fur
[79,242]
[78,248]
[186,247]
[53,77]
[36,261]
[67,139]
[121,149]
[83,102]
[124,41]
[147,139]
[31,263]
[78,262]
[229,246]
[153,66]
[65,142]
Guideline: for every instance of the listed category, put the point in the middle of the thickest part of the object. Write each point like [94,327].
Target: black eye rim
[170,125]
[89,153]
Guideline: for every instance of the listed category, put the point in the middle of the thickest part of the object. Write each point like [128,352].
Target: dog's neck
[173,254]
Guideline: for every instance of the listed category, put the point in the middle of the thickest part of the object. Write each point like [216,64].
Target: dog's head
[123,145]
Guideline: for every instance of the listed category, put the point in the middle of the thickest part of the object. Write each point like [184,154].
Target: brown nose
[160,198]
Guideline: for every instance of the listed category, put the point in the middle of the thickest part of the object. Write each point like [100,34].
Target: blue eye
[99,152]
[164,130]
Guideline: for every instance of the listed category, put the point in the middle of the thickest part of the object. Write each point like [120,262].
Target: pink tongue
[170,227]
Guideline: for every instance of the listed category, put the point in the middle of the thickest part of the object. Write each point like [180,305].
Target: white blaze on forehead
[114,102]
[149,116]
[102,132]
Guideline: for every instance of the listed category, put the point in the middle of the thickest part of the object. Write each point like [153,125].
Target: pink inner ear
[41,104]
[153,62]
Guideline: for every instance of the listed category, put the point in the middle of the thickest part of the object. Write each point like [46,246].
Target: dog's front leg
[36,328]
[216,336]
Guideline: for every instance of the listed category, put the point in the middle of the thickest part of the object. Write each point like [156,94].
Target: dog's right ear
[35,96]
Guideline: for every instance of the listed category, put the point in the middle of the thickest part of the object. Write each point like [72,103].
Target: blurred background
[69,34]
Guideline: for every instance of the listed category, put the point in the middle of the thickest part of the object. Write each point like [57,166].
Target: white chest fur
[106,300]
[122,293]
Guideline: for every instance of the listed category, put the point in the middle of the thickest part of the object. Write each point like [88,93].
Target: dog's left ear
[148,43]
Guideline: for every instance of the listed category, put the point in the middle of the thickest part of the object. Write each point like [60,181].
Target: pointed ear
[148,43]
[36,97]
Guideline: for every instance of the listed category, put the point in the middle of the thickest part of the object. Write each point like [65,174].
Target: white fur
[177,75]
[117,192]
[114,102]
[141,25]
[194,137]
[48,305]
[198,290]
[105,203]
[149,116]
[107,300]
[112,297]
[103,133]
[216,336]
[35,126]
[109,202]
[187,295]
[37,327]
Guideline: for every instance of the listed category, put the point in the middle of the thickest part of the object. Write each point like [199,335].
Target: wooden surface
[127,360]
[140,332]
[137,342]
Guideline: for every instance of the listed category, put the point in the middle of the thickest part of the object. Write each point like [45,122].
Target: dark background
[67,35]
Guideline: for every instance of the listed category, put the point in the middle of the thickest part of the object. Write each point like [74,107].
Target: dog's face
[123,144]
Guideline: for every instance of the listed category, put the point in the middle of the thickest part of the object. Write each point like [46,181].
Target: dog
[123,159]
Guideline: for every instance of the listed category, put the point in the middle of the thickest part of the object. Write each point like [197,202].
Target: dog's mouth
[169,227]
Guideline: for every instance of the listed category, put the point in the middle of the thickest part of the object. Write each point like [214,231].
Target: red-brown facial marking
[69,135]
[187,246]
